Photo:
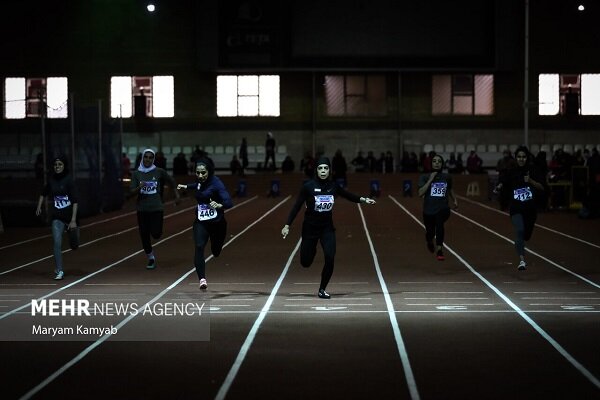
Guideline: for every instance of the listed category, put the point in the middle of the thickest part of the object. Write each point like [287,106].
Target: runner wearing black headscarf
[63,192]
[522,184]
[209,221]
[436,190]
[319,194]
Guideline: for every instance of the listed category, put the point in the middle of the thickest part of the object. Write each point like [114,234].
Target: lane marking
[575,274]
[101,340]
[81,227]
[538,225]
[222,393]
[86,277]
[90,243]
[561,350]
[408,373]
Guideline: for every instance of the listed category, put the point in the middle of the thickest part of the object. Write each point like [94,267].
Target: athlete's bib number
[205,212]
[324,203]
[150,187]
[61,202]
[438,189]
[523,194]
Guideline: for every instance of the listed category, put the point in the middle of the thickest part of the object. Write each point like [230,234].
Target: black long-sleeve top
[319,198]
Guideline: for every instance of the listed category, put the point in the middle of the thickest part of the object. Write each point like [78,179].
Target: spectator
[235,166]
[269,151]
[125,166]
[39,166]
[474,163]
[359,162]
[379,165]
[339,166]
[370,162]
[287,165]
[244,155]
[180,165]
[307,164]
[451,164]
[460,166]
[160,160]
[413,162]
[388,163]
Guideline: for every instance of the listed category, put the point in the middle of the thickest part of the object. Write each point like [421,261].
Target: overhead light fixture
[150,7]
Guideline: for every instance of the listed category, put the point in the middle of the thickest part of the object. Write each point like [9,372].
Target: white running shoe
[203,284]
[59,275]
[522,266]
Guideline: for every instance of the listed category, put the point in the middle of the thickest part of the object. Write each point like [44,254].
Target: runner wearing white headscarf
[147,181]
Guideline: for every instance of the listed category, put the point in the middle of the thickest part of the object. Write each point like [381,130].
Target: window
[462,94]
[355,95]
[142,96]
[36,97]
[248,95]
[569,94]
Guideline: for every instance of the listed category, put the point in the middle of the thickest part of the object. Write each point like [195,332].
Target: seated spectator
[359,162]
[287,165]
[307,164]
[180,165]
[451,164]
[474,163]
[160,160]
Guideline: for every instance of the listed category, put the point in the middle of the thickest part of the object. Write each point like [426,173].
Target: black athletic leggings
[308,249]
[215,231]
[523,224]
[434,226]
[150,223]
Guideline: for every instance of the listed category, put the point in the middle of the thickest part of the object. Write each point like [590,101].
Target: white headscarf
[141,167]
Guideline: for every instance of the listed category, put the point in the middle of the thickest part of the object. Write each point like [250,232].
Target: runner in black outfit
[521,183]
[61,189]
[436,189]
[319,195]
[209,222]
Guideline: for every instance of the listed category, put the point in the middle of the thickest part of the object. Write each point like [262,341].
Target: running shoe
[203,284]
[59,275]
[151,263]
[323,294]
[522,265]
[430,246]
[440,255]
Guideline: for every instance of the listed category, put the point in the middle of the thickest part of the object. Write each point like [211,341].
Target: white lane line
[341,297]
[122,284]
[328,305]
[538,225]
[575,274]
[81,227]
[432,283]
[63,288]
[408,372]
[442,292]
[98,342]
[453,304]
[90,242]
[446,298]
[561,350]
[222,393]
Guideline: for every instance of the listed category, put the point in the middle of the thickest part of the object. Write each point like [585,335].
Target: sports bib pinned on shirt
[324,202]
[438,189]
[206,212]
[150,187]
[523,194]
[61,202]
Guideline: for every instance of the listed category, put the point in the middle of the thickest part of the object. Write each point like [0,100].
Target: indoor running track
[400,324]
